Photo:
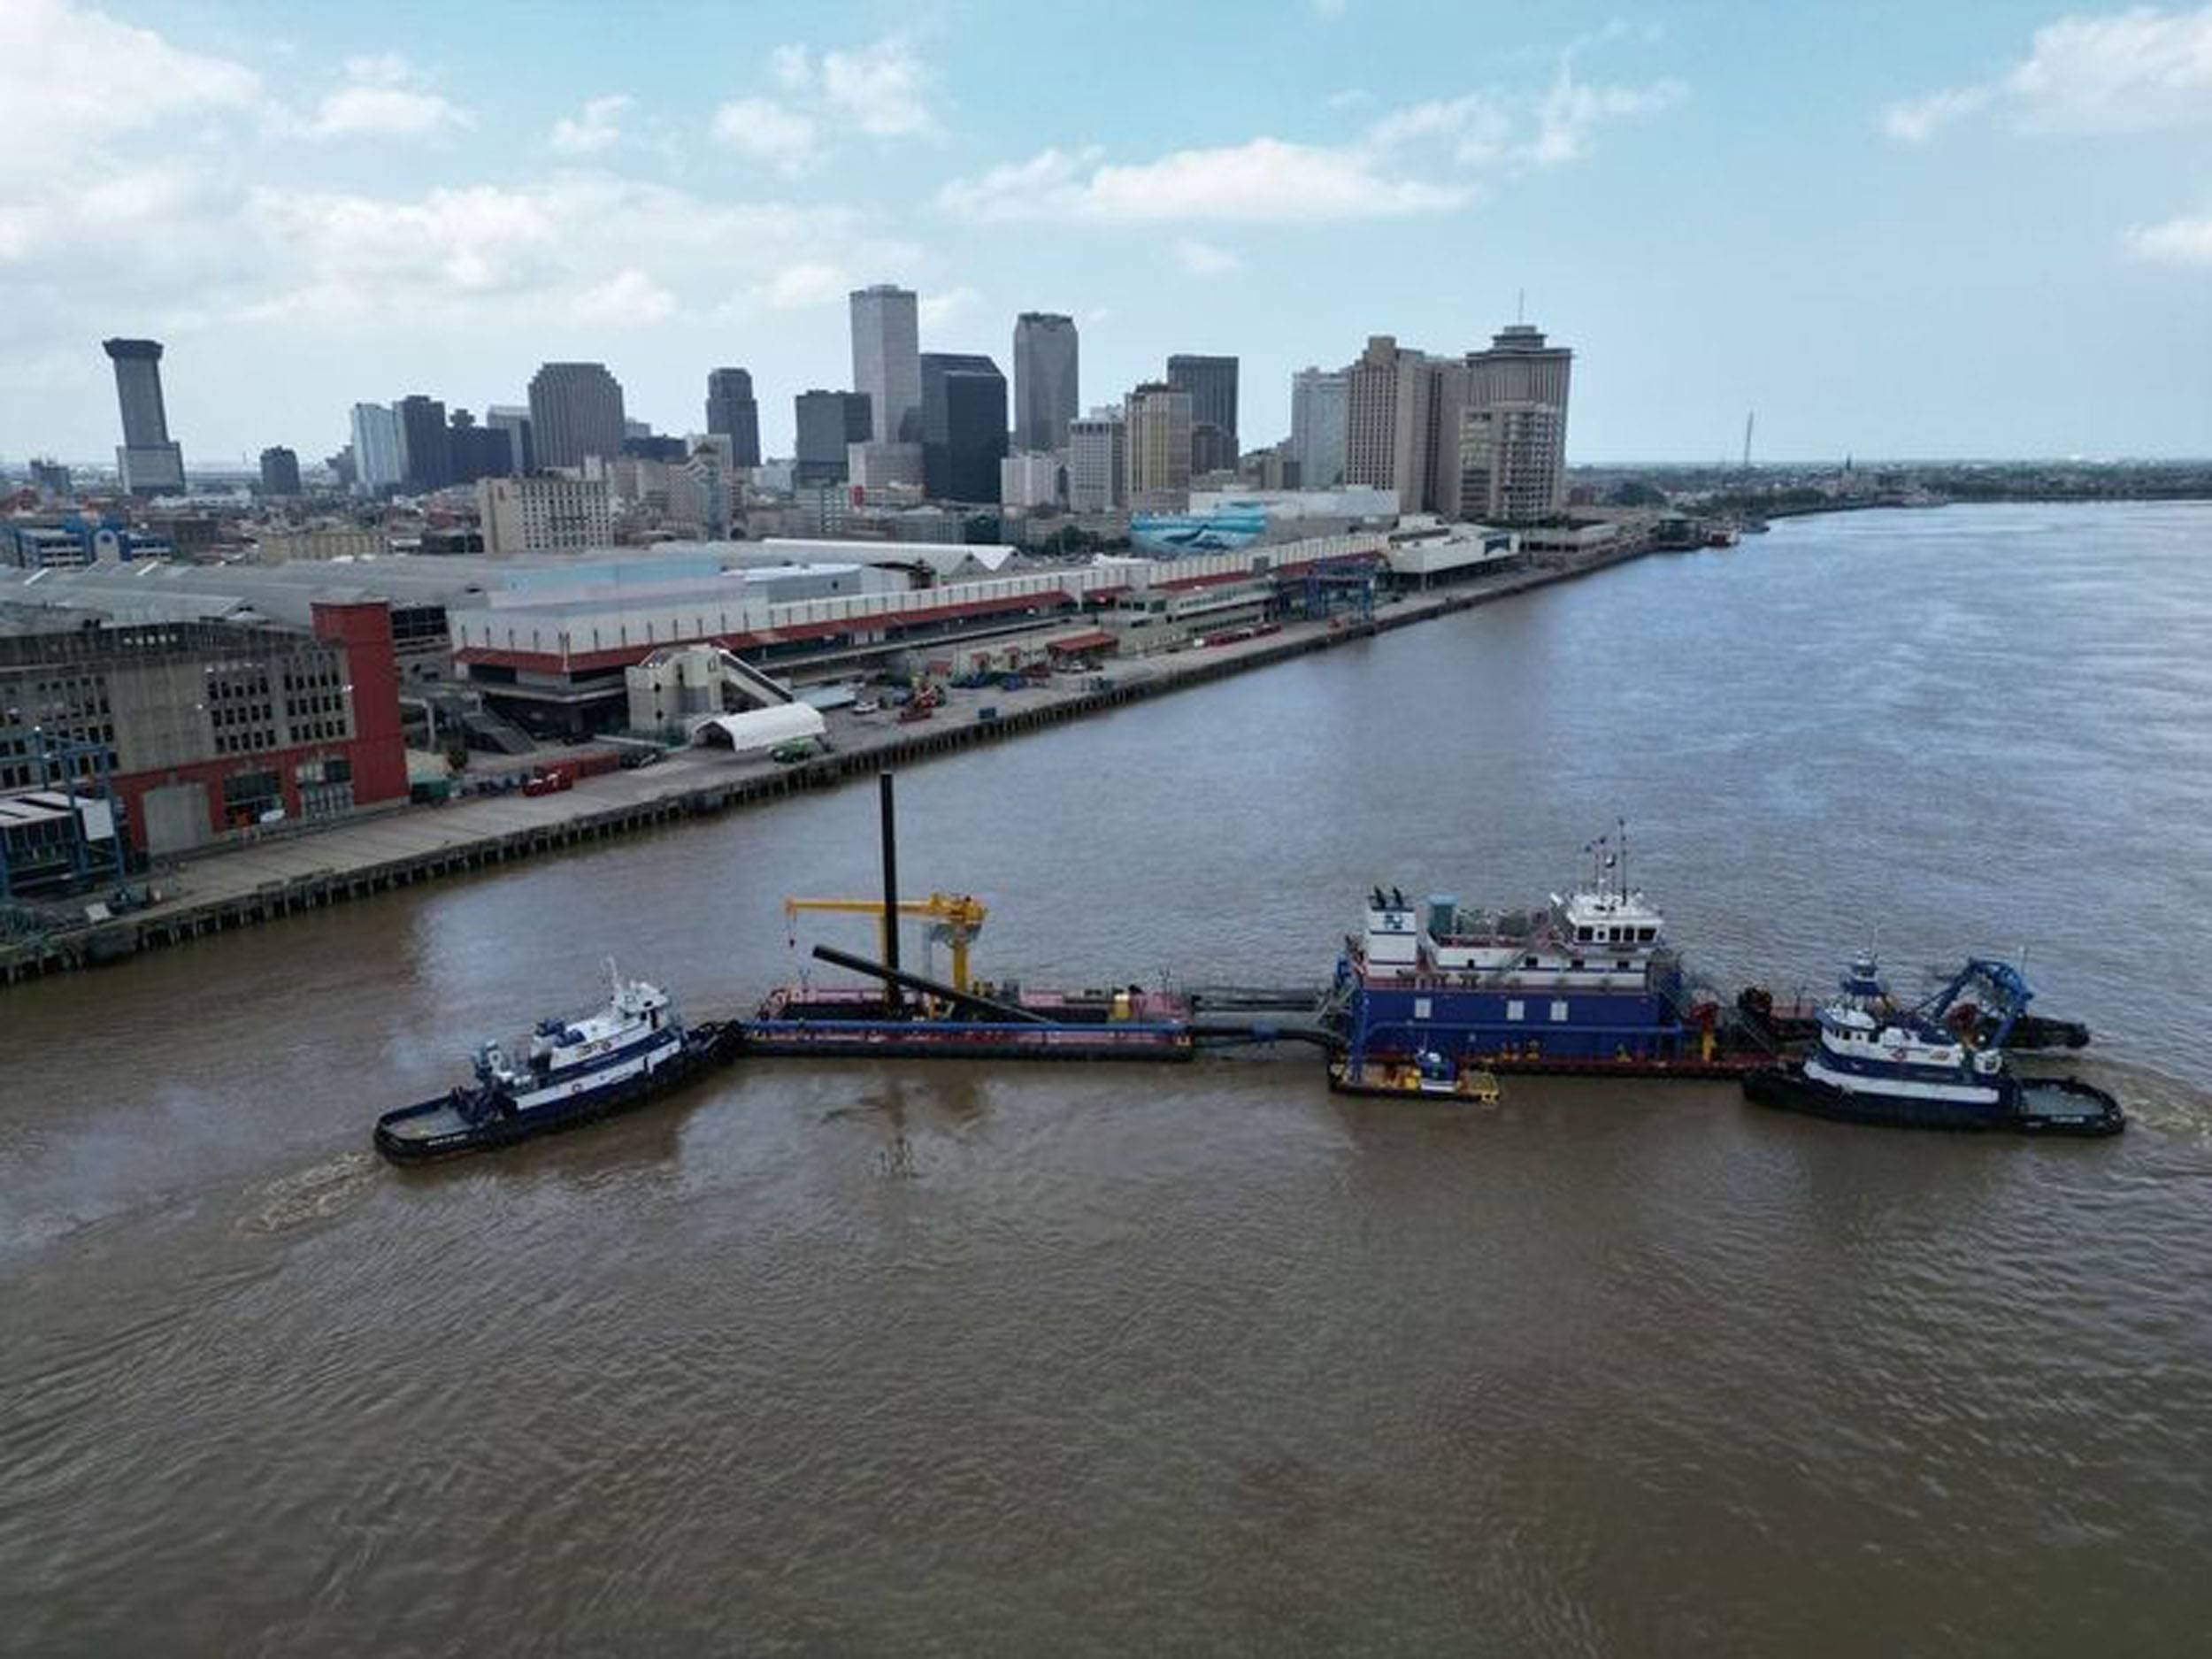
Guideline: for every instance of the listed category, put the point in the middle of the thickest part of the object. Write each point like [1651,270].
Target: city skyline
[310,221]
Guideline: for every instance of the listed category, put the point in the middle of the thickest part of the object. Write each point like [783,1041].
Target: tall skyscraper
[1212,385]
[1513,435]
[514,420]
[886,360]
[1387,404]
[425,451]
[1317,427]
[963,426]
[147,461]
[1098,461]
[1045,380]
[279,470]
[828,423]
[732,412]
[575,411]
[1158,419]
[375,448]
[478,451]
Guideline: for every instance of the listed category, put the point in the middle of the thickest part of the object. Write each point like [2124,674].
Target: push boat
[576,1068]
[1935,1065]
[1583,985]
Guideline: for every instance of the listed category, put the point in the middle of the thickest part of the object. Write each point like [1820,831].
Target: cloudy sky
[1895,229]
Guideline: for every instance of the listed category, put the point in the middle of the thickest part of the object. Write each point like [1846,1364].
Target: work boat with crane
[894,1012]
[1940,1064]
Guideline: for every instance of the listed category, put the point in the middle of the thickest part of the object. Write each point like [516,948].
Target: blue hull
[1567,1025]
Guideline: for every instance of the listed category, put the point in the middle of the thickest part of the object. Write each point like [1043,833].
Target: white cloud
[1265,180]
[768,131]
[793,67]
[628,299]
[881,88]
[597,128]
[1203,258]
[1916,120]
[937,310]
[1350,98]
[1573,109]
[2135,71]
[1327,10]
[808,282]
[2186,241]
[383,96]
[70,77]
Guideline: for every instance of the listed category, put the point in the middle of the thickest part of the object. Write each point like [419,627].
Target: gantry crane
[957,914]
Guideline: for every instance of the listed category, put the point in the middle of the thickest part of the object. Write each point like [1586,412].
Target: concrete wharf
[240,886]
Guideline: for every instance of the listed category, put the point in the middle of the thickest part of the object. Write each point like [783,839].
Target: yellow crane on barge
[955,916]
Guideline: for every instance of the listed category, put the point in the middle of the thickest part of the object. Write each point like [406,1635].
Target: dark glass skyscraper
[279,472]
[732,412]
[575,411]
[963,426]
[425,451]
[828,421]
[1212,385]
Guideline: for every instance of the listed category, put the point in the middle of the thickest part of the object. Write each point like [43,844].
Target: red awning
[1090,641]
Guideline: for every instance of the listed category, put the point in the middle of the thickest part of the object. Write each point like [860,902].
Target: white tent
[758,729]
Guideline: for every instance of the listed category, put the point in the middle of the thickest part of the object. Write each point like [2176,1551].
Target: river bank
[243,886]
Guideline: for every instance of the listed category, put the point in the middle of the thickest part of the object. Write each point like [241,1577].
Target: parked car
[792,752]
[867,705]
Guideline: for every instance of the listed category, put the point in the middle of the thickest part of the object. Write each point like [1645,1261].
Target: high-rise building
[1212,449]
[279,470]
[478,451]
[1449,381]
[873,465]
[963,426]
[426,452]
[514,420]
[51,478]
[1098,461]
[732,412]
[886,360]
[828,424]
[1212,385]
[543,514]
[1387,404]
[1317,427]
[1513,436]
[1029,479]
[147,460]
[1158,419]
[575,414]
[1045,380]
[375,448]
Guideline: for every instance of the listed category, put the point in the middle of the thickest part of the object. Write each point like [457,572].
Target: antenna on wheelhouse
[1620,827]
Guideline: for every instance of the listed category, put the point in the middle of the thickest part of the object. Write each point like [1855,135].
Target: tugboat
[1937,1065]
[576,1068]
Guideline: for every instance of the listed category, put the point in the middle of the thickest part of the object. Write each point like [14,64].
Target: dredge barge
[1584,985]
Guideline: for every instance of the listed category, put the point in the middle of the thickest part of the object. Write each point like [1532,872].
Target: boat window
[1559,1010]
[1513,1011]
[1645,935]
[1583,934]
[1528,961]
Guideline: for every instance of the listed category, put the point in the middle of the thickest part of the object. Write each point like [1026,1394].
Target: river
[846,1358]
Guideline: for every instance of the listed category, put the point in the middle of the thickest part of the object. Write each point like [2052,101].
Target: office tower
[1317,427]
[1030,479]
[514,420]
[279,472]
[1387,406]
[1211,449]
[1045,378]
[575,412]
[828,424]
[1450,379]
[426,454]
[1158,419]
[52,479]
[1212,385]
[1098,461]
[1513,438]
[886,360]
[733,414]
[375,448]
[873,465]
[544,515]
[146,461]
[963,426]
[478,451]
